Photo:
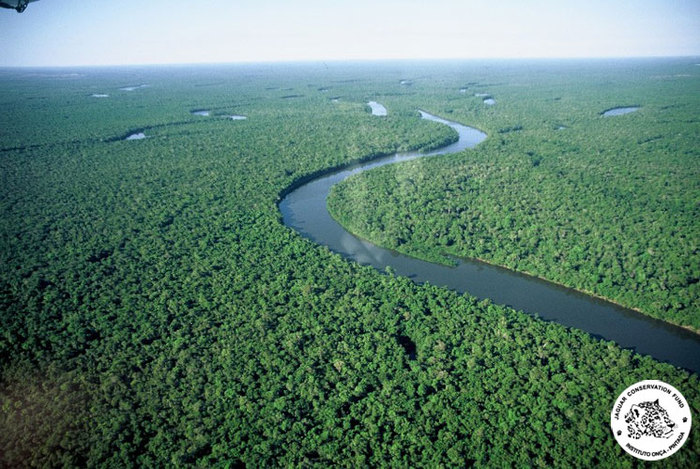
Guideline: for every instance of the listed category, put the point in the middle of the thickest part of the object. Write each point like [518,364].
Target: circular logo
[650,420]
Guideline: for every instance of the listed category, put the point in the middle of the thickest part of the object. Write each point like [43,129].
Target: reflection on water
[304,209]
[377,109]
[618,111]
[132,88]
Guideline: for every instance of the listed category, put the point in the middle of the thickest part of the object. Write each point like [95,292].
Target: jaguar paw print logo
[650,420]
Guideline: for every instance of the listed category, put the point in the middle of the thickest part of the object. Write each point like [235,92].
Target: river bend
[304,209]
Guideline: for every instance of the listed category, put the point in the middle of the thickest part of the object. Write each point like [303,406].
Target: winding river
[304,209]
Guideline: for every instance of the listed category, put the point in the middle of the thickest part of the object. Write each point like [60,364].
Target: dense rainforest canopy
[604,205]
[155,311]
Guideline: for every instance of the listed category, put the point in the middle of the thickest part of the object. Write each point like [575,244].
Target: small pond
[132,88]
[377,109]
[618,111]
[136,136]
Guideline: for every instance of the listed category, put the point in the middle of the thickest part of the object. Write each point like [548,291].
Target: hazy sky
[102,32]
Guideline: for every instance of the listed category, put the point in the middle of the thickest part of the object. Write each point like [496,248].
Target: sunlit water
[304,209]
[377,109]
[132,88]
[618,111]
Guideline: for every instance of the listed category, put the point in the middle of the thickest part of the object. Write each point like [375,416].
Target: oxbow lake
[619,111]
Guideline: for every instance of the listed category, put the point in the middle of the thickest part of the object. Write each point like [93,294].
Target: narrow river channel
[304,209]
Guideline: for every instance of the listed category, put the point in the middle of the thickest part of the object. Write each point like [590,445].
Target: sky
[125,32]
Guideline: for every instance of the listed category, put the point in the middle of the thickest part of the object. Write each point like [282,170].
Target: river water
[304,209]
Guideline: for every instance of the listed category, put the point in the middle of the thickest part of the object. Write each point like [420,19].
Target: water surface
[304,209]
[132,88]
[619,111]
[136,136]
[377,109]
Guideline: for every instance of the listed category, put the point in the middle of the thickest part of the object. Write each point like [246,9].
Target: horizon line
[353,60]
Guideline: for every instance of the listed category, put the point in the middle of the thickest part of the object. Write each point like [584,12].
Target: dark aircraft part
[18,5]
